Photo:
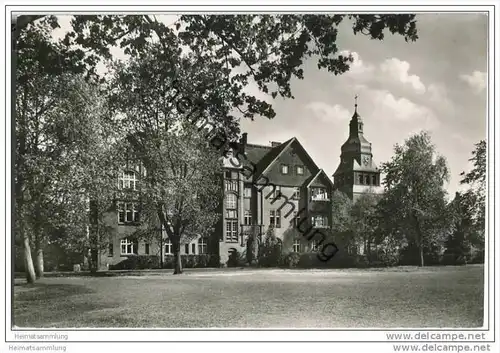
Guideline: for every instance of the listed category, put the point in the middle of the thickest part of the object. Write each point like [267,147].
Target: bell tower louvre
[357,173]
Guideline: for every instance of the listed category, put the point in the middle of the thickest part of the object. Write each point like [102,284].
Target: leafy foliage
[270,250]
[61,139]
[415,196]
[475,197]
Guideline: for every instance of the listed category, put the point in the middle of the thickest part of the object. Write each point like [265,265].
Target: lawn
[399,297]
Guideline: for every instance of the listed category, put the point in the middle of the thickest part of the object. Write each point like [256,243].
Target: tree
[364,220]
[461,232]
[475,197]
[342,219]
[414,183]
[270,249]
[183,171]
[59,127]
[266,49]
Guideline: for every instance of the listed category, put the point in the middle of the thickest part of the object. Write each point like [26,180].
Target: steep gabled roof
[271,157]
[275,154]
[316,176]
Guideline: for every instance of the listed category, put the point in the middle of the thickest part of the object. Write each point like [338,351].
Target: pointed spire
[356,104]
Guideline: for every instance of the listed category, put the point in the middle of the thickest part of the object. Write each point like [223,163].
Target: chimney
[243,142]
[275,143]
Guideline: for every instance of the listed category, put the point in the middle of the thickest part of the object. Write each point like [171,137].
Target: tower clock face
[366,160]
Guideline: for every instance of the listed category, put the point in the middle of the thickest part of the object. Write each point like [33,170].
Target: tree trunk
[177,258]
[39,255]
[39,261]
[28,261]
[421,251]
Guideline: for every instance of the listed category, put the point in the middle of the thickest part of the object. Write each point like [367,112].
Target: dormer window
[128,180]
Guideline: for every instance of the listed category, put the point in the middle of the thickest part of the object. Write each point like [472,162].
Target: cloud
[329,113]
[402,110]
[476,80]
[398,70]
[358,66]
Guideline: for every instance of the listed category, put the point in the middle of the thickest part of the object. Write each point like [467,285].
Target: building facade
[276,186]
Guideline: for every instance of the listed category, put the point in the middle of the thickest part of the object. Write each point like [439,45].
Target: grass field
[399,297]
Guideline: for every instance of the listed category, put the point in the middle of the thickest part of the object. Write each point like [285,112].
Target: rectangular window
[146,248]
[227,174]
[193,248]
[231,201]
[168,247]
[202,246]
[247,218]
[128,212]
[231,214]
[284,169]
[128,247]
[367,180]
[110,249]
[319,194]
[296,193]
[231,231]
[374,179]
[121,212]
[314,245]
[296,219]
[319,221]
[248,191]
[361,179]
[186,249]
[297,246]
[275,218]
[231,185]
[299,169]
[128,180]
[276,192]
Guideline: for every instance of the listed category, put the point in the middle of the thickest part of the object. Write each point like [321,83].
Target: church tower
[357,173]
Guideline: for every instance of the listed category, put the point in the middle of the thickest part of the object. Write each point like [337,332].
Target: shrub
[477,257]
[193,261]
[292,260]
[137,262]
[308,260]
[234,259]
[270,251]
[450,259]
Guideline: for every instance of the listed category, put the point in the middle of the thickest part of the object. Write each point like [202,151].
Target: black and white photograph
[250,170]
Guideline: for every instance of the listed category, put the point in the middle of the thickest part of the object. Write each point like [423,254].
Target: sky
[437,83]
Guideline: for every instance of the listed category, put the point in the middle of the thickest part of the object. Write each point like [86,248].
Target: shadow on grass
[44,291]
[54,305]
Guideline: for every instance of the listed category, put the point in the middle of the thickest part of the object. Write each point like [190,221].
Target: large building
[275,186]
